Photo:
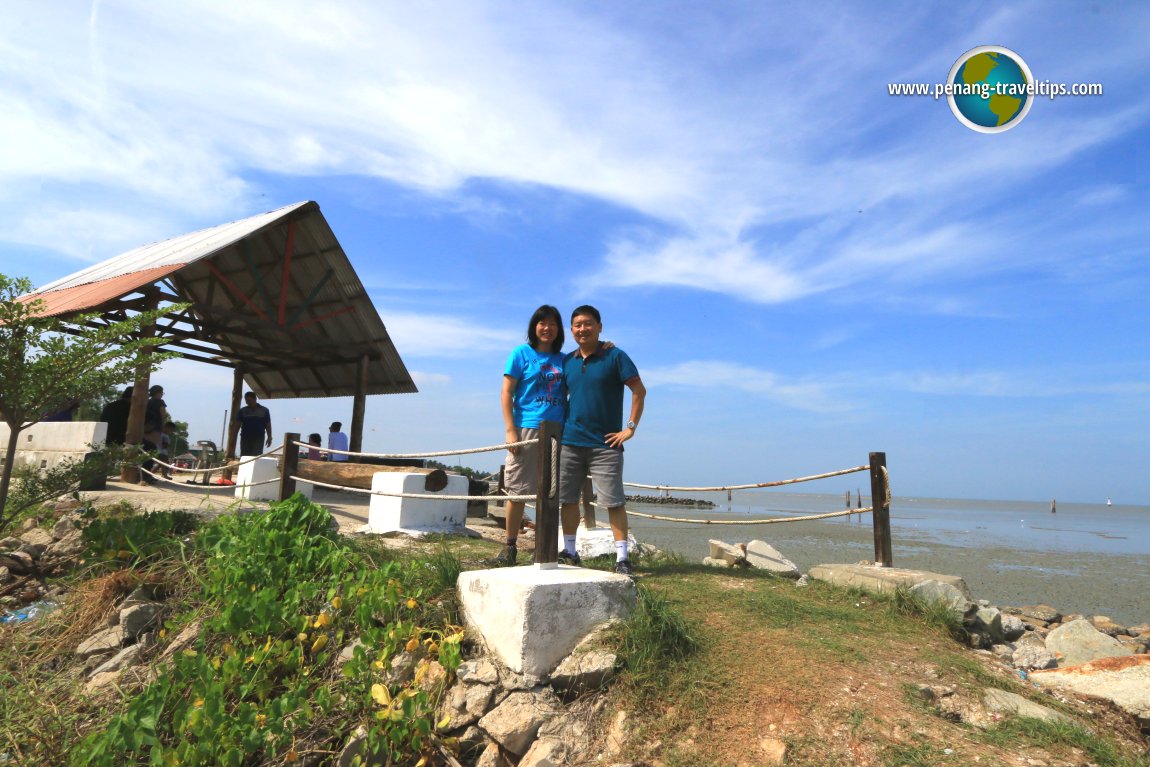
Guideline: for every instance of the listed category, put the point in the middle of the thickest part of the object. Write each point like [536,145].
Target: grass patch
[1059,736]
[655,639]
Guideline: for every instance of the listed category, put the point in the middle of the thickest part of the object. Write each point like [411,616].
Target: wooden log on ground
[349,474]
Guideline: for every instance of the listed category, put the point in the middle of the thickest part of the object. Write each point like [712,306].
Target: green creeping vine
[260,684]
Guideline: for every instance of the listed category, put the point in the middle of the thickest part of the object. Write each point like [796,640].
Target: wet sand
[1114,585]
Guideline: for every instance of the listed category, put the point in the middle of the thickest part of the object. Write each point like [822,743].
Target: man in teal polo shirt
[594,433]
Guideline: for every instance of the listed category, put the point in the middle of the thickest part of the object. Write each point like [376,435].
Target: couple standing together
[582,390]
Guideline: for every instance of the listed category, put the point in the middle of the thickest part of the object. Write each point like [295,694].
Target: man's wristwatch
[631,425]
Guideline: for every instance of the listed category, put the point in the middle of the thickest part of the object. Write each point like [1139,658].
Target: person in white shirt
[336,440]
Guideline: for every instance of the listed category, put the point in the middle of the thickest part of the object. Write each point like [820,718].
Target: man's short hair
[336,425]
[127,392]
[588,310]
[156,388]
[250,394]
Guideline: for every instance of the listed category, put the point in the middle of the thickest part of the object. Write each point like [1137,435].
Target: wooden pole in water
[547,497]
[881,510]
[289,467]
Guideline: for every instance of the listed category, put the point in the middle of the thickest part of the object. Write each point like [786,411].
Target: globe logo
[990,89]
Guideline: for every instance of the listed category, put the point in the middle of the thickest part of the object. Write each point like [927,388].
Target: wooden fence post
[547,497]
[290,466]
[880,515]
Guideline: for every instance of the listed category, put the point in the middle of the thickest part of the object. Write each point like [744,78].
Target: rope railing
[424,496]
[226,467]
[754,486]
[437,454]
[771,521]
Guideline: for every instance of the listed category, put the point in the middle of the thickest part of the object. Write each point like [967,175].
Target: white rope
[775,521]
[750,487]
[425,496]
[248,459]
[438,454]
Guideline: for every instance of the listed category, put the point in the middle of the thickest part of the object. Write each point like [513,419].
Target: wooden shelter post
[290,466]
[547,500]
[233,423]
[136,414]
[880,515]
[359,405]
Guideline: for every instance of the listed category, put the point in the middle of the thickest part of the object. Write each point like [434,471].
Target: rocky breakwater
[670,500]
[34,554]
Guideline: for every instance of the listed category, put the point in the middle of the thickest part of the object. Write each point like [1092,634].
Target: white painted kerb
[532,618]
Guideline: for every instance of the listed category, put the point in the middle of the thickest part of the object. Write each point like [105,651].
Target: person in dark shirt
[254,421]
[115,414]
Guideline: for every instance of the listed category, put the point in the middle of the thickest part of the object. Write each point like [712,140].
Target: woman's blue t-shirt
[539,394]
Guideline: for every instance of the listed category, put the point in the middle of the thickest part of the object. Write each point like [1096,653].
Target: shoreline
[1090,584]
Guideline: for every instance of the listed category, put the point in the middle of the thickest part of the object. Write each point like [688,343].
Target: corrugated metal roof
[273,294]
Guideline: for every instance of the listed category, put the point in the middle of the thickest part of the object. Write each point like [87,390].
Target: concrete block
[532,618]
[882,579]
[389,513]
[253,472]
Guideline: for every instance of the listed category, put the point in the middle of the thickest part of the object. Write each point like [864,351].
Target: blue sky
[803,268]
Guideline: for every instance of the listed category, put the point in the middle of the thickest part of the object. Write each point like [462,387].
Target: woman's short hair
[542,313]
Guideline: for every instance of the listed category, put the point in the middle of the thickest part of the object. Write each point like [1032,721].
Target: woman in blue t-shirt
[532,393]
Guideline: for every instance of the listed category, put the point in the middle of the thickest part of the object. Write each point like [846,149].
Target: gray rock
[20,562]
[464,704]
[545,752]
[68,545]
[1107,626]
[402,668]
[64,526]
[514,723]
[732,555]
[1012,627]
[712,562]
[764,556]
[1004,702]
[1078,642]
[34,550]
[804,580]
[584,671]
[183,640]
[1125,681]
[1030,656]
[5,574]
[472,741]
[356,748]
[101,642]
[1039,614]
[129,656]
[988,621]
[933,591]
[1003,651]
[492,756]
[10,543]
[138,618]
[481,671]
[37,536]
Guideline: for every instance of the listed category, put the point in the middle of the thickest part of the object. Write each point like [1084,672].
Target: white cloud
[437,335]
[722,376]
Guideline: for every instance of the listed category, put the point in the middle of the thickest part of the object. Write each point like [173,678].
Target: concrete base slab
[431,515]
[880,579]
[532,618]
[262,470]
[597,542]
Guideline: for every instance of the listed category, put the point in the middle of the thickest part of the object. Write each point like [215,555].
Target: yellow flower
[261,720]
[412,644]
[319,643]
[199,703]
[323,620]
[412,604]
[301,636]
[336,602]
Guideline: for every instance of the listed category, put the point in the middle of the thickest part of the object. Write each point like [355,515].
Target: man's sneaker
[566,558]
[623,567]
[507,557]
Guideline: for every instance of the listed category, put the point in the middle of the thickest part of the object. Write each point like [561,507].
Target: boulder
[481,671]
[582,671]
[138,618]
[37,536]
[1123,680]
[731,554]
[933,591]
[514,723]
[1039,614]
[68,545]
[1030,656]
[764,556]
[1078,642]
[10,543]
[545,752]
[712,562]
[129,656]
[464,704]
[1003,702]
[1012,627]
[493,756]
[986,621]
[1107,626]
[101,642]
[64,526]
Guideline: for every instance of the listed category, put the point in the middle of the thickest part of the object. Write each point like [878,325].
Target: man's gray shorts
[604,464]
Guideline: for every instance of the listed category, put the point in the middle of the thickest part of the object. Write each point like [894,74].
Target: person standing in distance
[336,440]
[254,421]
[595,377]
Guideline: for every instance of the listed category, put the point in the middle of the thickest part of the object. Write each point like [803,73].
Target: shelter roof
[273,295]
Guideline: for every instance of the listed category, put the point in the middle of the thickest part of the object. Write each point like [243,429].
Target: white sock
[569,544]
[620,550]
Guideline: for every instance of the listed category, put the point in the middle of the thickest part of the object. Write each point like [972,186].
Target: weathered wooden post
[234,422]
[290,466]
[547,497]
[881,510]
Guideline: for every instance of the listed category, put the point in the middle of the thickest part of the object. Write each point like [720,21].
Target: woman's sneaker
[565,558]
[507,557]
[623,567]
